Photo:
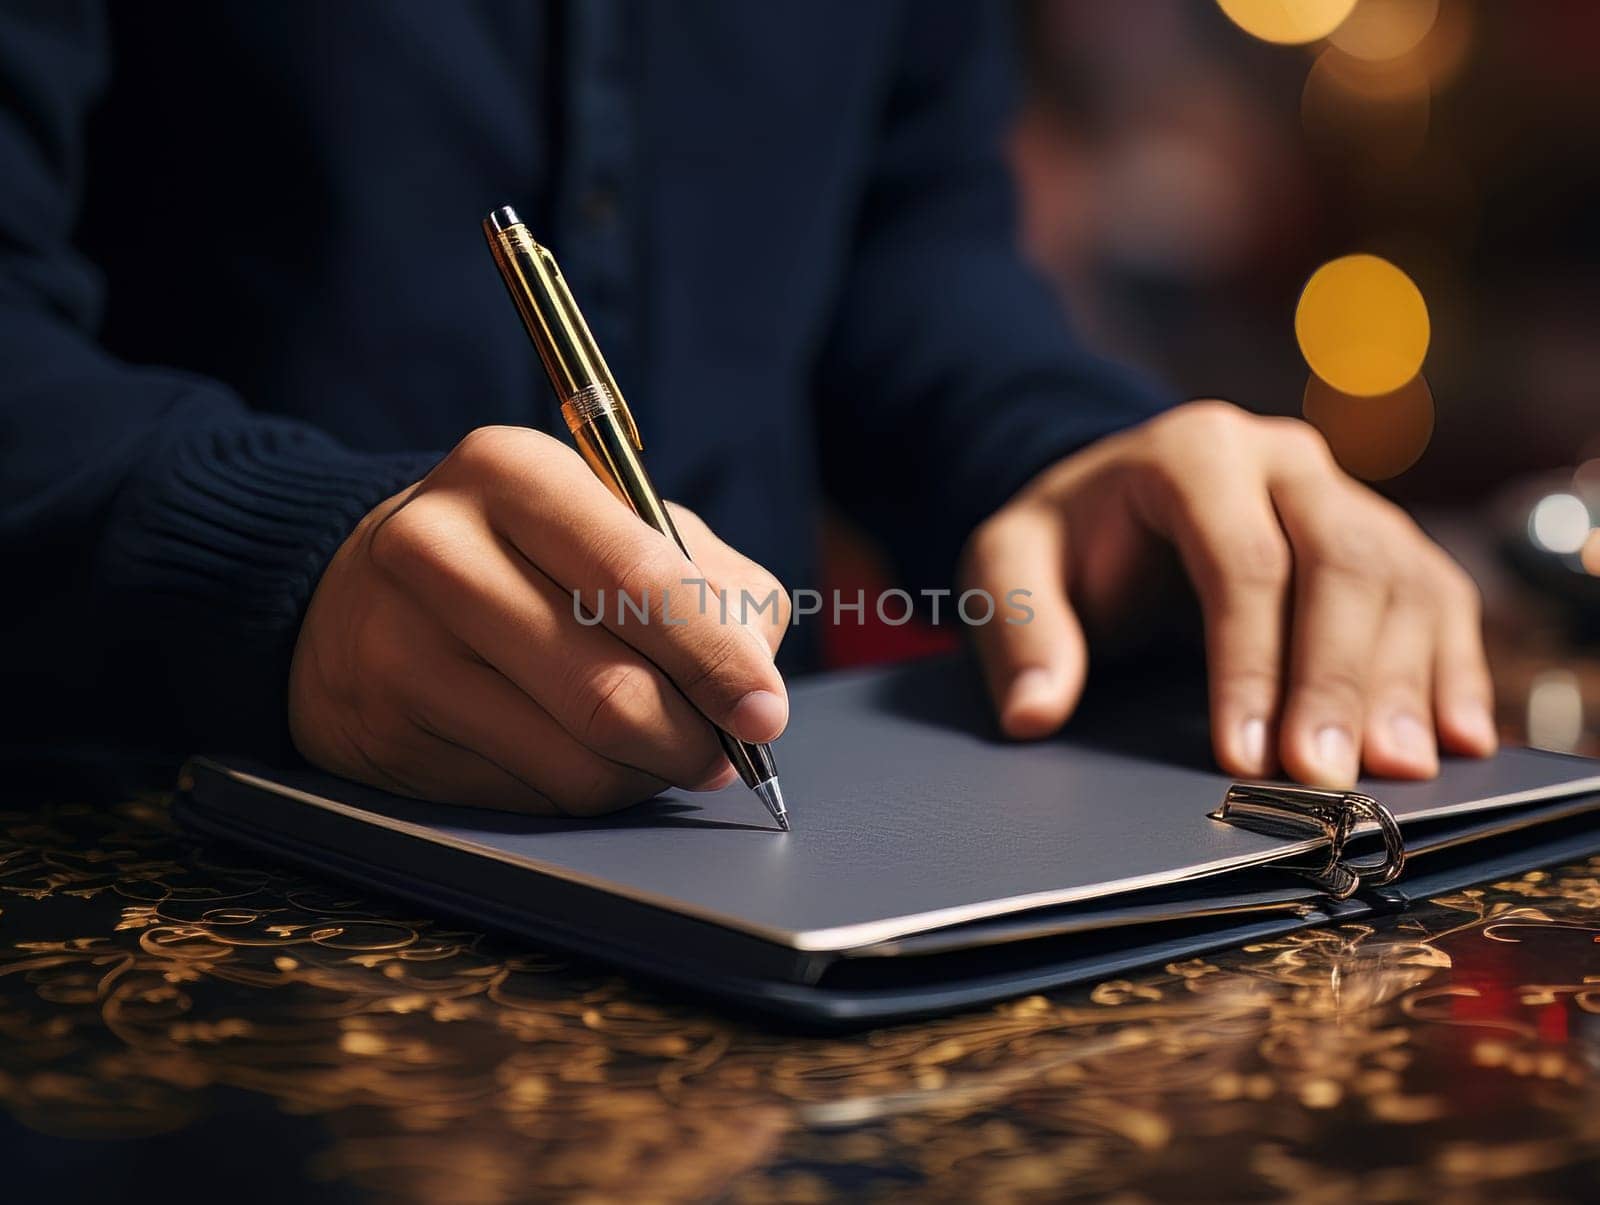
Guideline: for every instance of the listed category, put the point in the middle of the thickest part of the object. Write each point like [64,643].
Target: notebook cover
[811,990]
[705,960]
[910,815]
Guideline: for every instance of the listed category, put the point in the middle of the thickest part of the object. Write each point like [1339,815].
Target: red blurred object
[850,563]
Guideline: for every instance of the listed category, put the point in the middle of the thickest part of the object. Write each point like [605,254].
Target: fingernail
[1253,745]
[717,780]
[1477,725]
[1412,740]
[1029,687]
[1336,755]
[1027,710]
[759,716]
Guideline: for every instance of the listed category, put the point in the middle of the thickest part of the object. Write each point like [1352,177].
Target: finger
[1238,558]
[1398,740]
[764,604]
[1033,651]
[1463,691]
[1341,592]
[604,694]
[552,509]
[475,708]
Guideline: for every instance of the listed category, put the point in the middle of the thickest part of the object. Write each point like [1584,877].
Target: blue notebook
[932,865]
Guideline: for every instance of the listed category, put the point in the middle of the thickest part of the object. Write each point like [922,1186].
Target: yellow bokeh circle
[1362,325]
[1287,22]
[1373,438]
[1386,29]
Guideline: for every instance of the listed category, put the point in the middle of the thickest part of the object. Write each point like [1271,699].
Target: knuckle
[1256,562]
[719,652]
[1248,685]
[619,710]
[414,537]
[1213,427]
[1265,561]
[1334,689]
[1407,680]
[488,449]
[640,567]
[1210,416]
[1302,443]
[391,544]
[1185,448]
[1348,550]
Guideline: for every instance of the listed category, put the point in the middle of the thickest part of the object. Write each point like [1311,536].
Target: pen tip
[772,795]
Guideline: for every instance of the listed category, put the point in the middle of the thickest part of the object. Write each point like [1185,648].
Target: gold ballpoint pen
[600,423]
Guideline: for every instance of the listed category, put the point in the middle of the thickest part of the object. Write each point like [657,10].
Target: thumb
[1033,651]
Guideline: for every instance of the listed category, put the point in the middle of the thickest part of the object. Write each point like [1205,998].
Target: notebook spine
[1331,817]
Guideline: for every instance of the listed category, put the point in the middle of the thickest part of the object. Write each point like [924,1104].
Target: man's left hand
[1338,636]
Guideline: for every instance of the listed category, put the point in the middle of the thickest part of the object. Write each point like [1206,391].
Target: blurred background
[1184,173]
[1380,215]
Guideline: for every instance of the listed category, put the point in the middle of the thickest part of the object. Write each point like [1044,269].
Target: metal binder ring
[1307,813]
[1392,861]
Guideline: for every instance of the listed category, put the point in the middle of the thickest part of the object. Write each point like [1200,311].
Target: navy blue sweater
[244,297]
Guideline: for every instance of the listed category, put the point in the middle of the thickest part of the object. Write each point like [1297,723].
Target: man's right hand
[442,657]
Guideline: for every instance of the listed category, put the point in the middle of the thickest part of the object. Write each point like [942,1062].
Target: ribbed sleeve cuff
[215,544]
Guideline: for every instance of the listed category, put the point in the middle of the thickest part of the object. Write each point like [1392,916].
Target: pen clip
[627,421]
[1333,817]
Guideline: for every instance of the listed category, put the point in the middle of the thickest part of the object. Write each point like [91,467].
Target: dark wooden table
[181,1022]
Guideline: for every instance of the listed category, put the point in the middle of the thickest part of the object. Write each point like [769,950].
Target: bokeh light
[1345,75]
[1437,55]
[1373,438]
[1443,52]
[1361,110]
[1362,325]
[1555,711]
[1560,523]
[1385,29]
[1287,22]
